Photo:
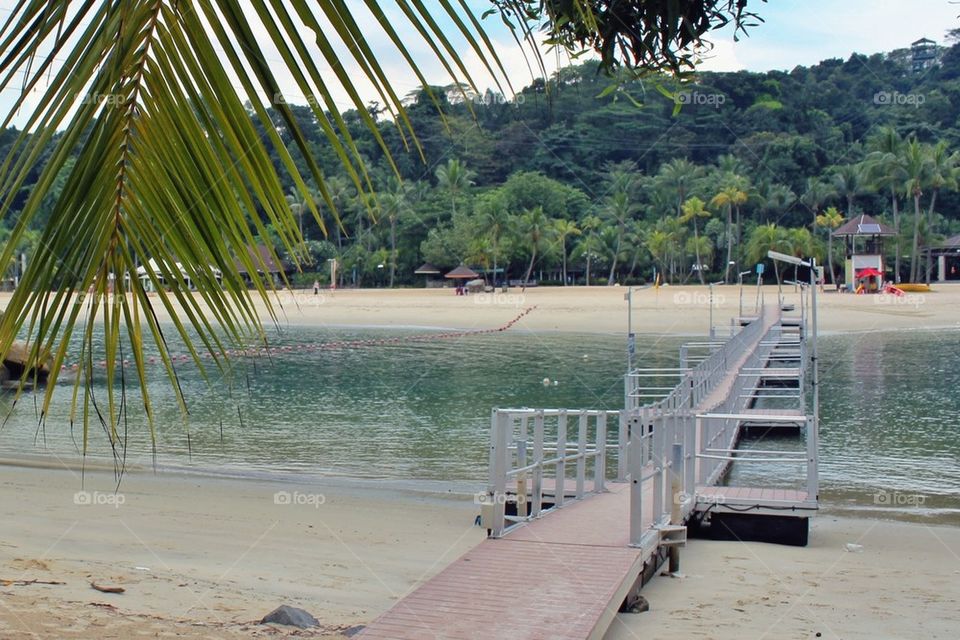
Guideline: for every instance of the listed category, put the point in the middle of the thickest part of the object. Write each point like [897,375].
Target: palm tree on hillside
[830,220]
[731,197]
[885,166]
[563,229]
[693,209]
[455,178]
[533,227]
[678,177]
[918,169]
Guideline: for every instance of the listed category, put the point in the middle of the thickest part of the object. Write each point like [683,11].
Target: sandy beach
[677,310]
[202,557]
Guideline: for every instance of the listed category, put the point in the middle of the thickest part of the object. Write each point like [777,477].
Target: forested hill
[618,181]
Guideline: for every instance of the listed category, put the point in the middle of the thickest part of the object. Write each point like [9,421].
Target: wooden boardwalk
[524,584]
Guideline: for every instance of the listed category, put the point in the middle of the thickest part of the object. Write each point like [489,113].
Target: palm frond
[159,102]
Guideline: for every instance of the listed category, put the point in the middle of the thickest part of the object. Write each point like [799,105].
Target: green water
[418,412]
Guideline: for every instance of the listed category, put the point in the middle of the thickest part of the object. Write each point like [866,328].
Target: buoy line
[329,346]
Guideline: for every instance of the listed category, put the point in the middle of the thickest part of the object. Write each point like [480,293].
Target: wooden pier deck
[525,584]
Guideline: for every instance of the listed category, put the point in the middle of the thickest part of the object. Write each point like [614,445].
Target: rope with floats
[335,345]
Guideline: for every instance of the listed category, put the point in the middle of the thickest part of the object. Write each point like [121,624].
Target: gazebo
[863,238]
[430,271]
[462,274]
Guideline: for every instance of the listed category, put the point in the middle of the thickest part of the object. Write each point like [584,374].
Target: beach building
[864,265]
[262,255]
[947,259]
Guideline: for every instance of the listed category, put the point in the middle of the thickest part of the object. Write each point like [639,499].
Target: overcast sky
[795,32]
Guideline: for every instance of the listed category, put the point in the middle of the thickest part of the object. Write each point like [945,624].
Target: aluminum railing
[542,458]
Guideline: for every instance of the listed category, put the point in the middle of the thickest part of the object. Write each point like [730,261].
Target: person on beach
[316,287]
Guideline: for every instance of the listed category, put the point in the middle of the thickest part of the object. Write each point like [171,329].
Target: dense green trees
[559,182]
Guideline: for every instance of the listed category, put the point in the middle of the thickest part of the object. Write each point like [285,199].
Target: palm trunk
[613,265]
[896,237]
[833,275]
[914,257]
[933,203]
[526,278]
[696,244]
[563,247]
[726,268]
[587,281]
[393,250]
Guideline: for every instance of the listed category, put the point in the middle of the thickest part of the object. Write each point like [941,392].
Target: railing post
[497,488]
[537,490]
[522,506]
[658,456]
[561,472]
[581,452]
[637,428]
[676,483]
[600,460]
[693,450]
[623,446]
[813,483]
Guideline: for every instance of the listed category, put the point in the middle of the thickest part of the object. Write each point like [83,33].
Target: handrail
[520,471]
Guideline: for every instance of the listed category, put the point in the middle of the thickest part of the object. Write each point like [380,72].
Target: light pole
[740,284]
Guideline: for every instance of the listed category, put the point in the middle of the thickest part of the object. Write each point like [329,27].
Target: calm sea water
[418,412]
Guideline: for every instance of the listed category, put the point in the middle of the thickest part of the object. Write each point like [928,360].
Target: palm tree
[764,238]
[830,220]
[731,196]
[917,168]
[679,177]
[848,182]
[590,247]
[618,209]
[815,196]
[495,218]
[455,178]
[885,165]
[394,204]
[533,225]
[562,230]
[693,209]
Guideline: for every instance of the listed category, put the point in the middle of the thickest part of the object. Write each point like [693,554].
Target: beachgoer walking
[316,287]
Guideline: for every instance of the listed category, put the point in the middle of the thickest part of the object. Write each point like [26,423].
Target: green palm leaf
[159,103]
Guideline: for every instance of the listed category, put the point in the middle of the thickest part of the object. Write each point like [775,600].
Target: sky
[794,32]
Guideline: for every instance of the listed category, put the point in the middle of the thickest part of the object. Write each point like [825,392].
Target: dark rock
[354,630]
[640,605]
[290,616]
